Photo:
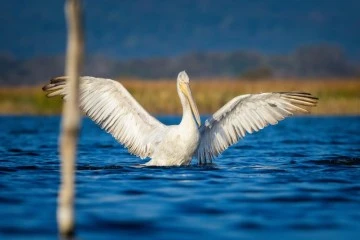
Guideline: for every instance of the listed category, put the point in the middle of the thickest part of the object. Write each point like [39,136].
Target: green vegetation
[337,96]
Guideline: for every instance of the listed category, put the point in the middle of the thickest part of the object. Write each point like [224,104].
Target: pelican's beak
[187,92]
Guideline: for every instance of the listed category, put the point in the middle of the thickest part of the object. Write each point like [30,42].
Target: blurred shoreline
[336,96]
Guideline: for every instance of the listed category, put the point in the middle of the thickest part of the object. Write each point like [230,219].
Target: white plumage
[111,106]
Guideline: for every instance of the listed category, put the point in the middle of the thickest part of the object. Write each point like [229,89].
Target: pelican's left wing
[246,114]
[111,106]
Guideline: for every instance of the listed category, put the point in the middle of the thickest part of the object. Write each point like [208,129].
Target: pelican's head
[183,84]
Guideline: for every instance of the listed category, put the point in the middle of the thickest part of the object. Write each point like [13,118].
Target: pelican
[112,107]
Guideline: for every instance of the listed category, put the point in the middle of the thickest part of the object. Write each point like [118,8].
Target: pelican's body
[110,105]
[177,145]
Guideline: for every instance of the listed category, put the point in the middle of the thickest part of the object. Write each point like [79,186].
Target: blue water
[299,179]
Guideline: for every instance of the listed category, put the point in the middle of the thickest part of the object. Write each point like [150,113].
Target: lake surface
[299,179]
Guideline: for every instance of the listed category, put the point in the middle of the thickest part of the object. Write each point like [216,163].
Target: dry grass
[337,96]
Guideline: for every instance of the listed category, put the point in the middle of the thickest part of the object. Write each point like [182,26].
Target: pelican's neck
[187,116]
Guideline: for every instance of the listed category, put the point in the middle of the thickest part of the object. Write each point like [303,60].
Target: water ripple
[282,180]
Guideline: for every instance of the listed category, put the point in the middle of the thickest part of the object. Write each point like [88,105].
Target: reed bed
[336,96]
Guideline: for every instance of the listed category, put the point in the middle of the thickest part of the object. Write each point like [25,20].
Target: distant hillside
[306,61]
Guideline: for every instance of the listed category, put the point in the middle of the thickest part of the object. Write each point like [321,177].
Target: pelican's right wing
[246,114]
[111,106]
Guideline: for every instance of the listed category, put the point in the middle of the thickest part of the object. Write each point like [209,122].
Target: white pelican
[111,106]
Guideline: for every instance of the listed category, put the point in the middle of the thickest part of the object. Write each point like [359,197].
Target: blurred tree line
[306,61]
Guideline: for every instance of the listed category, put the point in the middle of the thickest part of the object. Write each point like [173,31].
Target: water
[299,179]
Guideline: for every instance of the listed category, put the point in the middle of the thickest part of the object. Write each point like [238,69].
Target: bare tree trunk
[70,120]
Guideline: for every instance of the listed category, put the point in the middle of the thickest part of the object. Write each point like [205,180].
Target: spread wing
[246,114]
[111,106]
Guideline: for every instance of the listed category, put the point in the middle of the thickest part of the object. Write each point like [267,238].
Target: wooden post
[70,120]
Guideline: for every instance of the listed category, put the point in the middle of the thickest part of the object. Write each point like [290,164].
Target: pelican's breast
[177,147]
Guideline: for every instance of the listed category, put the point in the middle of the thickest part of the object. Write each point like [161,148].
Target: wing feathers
[111,106]
[247,114]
